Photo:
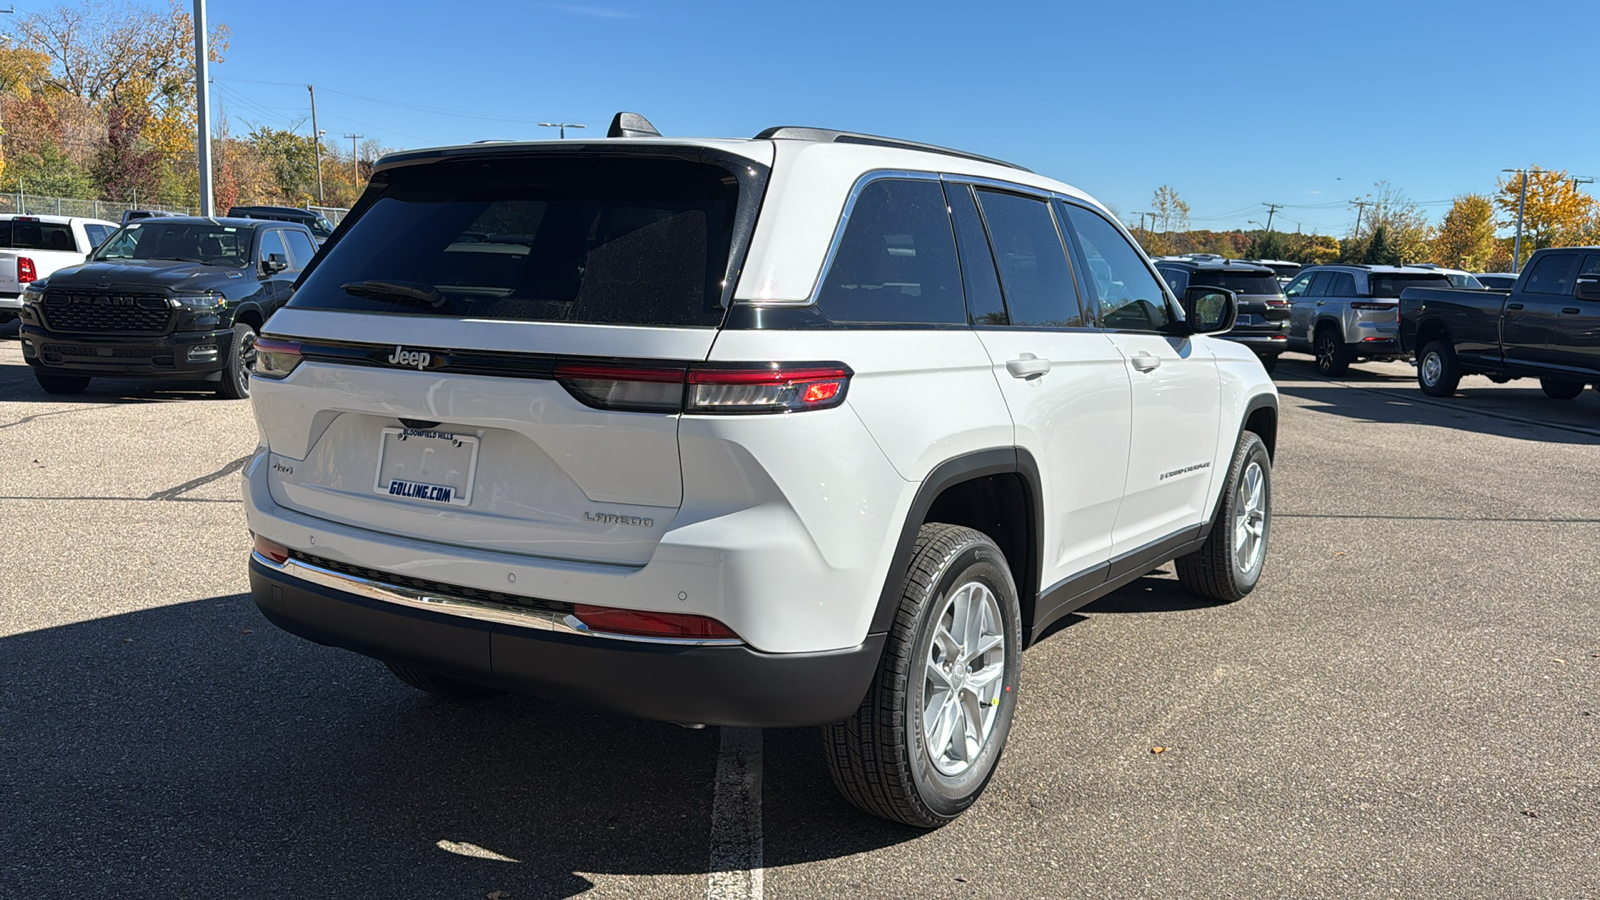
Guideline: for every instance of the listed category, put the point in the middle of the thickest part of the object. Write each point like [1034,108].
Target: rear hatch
[447,368]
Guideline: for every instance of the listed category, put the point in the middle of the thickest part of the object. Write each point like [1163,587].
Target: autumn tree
[1407,234]
[1556,213]
[1465,239]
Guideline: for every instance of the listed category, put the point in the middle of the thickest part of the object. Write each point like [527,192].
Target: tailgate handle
[1144,362]
[1571,311]
[1027,366]
[1513,306]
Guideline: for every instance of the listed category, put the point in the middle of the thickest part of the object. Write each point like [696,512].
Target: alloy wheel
[1250,518]
[962,679]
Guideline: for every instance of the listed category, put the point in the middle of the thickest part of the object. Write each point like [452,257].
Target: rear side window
[1343,284]
[1238,282]
[1032,261]
[21,234]
[1390,286]
[1177,279]
[600,240]
[97,234]
[896,262]
[1130,297]
[1552,274]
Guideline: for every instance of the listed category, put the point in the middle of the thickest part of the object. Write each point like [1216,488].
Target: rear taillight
[275,358]
[715,388]
[1374,306]
[650,624]
[272,551]
[25,271]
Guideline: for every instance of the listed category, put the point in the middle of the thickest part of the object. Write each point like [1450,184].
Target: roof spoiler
[631,125]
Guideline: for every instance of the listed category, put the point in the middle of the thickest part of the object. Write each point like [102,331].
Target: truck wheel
[439,685]
[1269,362]
[1333,358]
[1438,373]
[928,735]
[235,383]
[61,384]
[1560,389]
[1229,564]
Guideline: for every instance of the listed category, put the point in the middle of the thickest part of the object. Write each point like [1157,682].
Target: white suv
[809,429]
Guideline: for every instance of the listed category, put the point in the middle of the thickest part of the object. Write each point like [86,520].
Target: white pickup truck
[32,247]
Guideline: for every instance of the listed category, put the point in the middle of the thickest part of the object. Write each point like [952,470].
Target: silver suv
[1341,314]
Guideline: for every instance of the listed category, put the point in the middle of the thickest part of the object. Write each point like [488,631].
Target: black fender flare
[978,464]
[1256,404]
[248,306]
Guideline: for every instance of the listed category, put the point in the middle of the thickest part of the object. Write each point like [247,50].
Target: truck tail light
[272,551]
[715,388]
[650,624]
[276,358]
[25,270]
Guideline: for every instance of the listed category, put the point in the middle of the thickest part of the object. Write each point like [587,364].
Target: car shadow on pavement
[195,750]
[1533,417]
[1157,591]
[18,386]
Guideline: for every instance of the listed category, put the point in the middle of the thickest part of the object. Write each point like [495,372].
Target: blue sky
[1233,104]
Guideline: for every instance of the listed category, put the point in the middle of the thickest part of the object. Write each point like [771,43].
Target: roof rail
[830,136]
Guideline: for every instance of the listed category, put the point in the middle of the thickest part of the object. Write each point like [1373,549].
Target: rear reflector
[718,388]
[272,550]
[26,273]
[650,624]
[276,358]
[630,388]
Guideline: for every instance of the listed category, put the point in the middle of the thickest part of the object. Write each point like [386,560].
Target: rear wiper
[394,290]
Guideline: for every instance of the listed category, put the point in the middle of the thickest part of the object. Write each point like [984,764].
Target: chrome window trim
[400,595]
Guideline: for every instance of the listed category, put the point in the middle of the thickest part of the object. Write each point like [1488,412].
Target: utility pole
[316,141]
[355,159]
[561,125]
[202,67]
[1361,207]
[1522,202]
[1272,208]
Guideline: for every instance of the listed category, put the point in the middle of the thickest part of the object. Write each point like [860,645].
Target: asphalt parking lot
[1409,705]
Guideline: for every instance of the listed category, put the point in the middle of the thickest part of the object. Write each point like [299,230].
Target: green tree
[1379,250]
[291,162]
[1465,239]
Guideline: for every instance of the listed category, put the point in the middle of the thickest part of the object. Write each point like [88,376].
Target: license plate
[427,465]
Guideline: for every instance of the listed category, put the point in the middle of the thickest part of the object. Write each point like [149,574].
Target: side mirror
[1210,310]
[1589,287]
[274,263]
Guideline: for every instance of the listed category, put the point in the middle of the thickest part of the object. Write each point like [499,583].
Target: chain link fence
[109,210]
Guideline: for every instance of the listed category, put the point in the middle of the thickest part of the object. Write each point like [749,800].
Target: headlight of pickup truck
[33,292]
[200,301]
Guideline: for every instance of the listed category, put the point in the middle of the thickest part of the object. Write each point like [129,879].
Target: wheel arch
[994,491]
[1431,329]
[250,314]
[1261,417]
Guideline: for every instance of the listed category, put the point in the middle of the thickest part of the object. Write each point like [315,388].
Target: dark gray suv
[1263,324]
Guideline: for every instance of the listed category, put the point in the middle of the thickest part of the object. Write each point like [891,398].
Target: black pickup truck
[1546,327]
[164,297]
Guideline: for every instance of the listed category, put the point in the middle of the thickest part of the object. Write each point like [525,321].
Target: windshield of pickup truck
[21,234]
[215,245]
[1385,285]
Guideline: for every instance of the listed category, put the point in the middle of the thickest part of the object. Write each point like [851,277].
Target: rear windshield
[609,240]
[1382,285]
[1284,270]
[1238,282]
[216,245]
[23,235]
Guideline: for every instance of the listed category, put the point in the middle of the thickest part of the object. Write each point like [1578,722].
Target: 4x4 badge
[403,357]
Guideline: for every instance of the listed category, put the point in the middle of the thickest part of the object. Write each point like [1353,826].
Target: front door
[1534,313]
[1175,387]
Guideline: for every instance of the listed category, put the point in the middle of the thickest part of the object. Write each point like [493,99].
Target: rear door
[1305,295]
[1063,380]
[1177,393]
[1534,313]
[492,355]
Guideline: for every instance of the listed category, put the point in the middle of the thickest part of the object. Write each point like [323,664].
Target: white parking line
[735,870]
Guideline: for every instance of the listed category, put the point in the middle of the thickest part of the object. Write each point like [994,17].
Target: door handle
[1320,302]
[1513,306]
[1571,311]
[1144,362]
[1027,366]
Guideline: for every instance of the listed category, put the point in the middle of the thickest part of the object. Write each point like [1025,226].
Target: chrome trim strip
[536,619]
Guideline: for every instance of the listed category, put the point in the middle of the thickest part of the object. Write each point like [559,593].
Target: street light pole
[1522,202]
[561,125]
[316,142]
[208,206]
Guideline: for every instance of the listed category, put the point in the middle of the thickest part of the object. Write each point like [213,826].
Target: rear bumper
[713,685]
[189,354]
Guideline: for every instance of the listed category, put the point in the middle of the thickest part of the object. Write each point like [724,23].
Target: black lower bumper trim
[706,685]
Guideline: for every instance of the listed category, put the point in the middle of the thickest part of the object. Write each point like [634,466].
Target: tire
[881,758]
[1438,373]
[1333,357]
[1560,388]
[61,384]
[440,685]
[235,383]
[1218,570]
[1269,363]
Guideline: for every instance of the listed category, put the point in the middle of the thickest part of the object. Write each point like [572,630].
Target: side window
[1032,261]
[301,249]
[1320,284]
[1299,287]
[1591,265]
[1130,297]
[96,234]
[1552,274]
[272,242]
[1177,279]
[1343,285]
[984,303]
[897,260]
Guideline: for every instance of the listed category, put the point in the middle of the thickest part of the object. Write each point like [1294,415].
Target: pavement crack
[173,492]
[60,412]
